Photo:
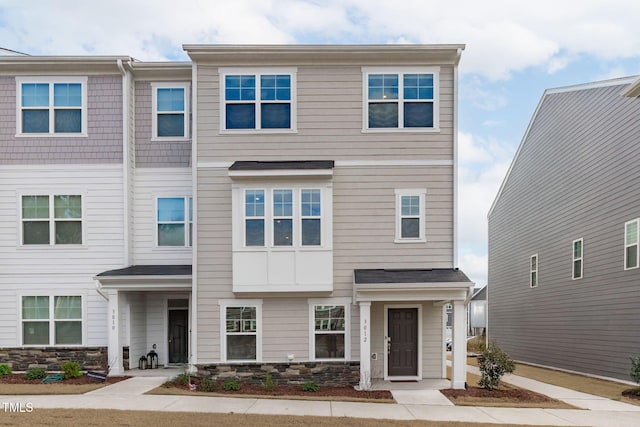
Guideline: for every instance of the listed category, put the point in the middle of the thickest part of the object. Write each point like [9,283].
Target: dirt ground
[18,384]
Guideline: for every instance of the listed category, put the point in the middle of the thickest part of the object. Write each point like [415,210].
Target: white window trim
[187,223]
[239,238]
[51,80]
[636,243]
[154,115]
[575,259]
[51,320]
[52,219]
[257,72]
[532,270]
[346,302]
[422,194]
[230,303]
[366,71]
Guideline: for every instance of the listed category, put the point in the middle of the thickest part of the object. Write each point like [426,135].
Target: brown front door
[403,342]
[178,327]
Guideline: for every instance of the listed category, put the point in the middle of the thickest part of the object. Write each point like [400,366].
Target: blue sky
[515,50]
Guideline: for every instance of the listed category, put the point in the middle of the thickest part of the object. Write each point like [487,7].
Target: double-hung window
[410,215]
[175,221]
[329,331]
[52,106]
[170,110]
[406,99]
[631,242]
[533,271]
[51,320]
[283,217]
[51,219]
[577,259]
[241,330]
[258,100]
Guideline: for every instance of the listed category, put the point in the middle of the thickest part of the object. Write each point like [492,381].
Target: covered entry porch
[403,324]
[148,316]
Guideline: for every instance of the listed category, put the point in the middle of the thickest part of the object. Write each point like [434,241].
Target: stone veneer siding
[50,358]
[323,373]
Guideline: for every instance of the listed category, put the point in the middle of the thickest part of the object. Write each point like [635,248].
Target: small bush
[5,370]
[476,345]
[232,385]
[207,384]
[493,364]
[310,386]
[635,369]
[36,374]
[269,384]
[183,379]
[71,370]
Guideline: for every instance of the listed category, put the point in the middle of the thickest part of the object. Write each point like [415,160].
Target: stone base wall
[323,373]
[50,358]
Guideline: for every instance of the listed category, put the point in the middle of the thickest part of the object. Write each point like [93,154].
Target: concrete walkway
[411,405]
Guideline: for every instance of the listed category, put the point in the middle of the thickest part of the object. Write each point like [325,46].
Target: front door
[402,342]
[178,328]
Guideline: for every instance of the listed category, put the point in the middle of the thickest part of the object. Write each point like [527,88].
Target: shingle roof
[149,270]
[435,275]
[282,165]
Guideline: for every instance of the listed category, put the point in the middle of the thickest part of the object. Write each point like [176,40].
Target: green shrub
[310,386]
[183,379]
[269,384]
[476,345]
[493,364]
[635,369]
[35,374]
[5,370]
[71,370]
[207,384]
[231,385]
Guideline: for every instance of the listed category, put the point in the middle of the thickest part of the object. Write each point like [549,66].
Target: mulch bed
[632,393]
[505,394]
[22,379]
[295,390]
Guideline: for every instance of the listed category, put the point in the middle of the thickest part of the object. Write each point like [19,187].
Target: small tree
[635,369]
[493,364]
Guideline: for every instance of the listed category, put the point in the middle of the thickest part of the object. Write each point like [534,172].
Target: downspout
[125,158]
[455,161]
[100,291]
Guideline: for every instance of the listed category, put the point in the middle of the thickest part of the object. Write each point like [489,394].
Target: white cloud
[475,267]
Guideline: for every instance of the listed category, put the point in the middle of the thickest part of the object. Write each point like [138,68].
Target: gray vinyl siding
[576,176]
[329,123]
[102,145]
[155,154]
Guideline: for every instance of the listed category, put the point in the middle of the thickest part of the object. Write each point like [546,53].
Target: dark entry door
[178,327]
[403,345]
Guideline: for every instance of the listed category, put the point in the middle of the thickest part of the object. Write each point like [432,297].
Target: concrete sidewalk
[412,405]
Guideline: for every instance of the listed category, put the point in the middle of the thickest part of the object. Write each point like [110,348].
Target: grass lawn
[603,388]
[33,389]
[109,418]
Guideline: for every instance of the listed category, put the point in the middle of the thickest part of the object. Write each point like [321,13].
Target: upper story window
[51,320]
[289,217]
[631,241]
[263,100]
[410,215]
[170,110]
[401,99]
[51,219]
[52,106]
[577,259]
[175,221]
[533,271]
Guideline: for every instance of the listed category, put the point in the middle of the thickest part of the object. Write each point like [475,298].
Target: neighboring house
[478,312]
[315,184]
[563,234]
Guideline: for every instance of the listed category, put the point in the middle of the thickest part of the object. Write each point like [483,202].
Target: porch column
[115,344]
[459,347]
[365,345]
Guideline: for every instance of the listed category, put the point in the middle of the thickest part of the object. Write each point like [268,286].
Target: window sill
[257,131]
[403,241]
[170,139]
[261,249]
[52,135]
[51,247]
[173,248]
[401,130]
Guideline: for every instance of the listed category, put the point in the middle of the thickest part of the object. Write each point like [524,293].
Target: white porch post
[365,345]
[115,345]
[459,347]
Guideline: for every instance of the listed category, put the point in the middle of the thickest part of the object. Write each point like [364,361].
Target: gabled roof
[634,86]
[480,294]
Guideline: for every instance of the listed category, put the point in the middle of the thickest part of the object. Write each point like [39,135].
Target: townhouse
[284,209]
